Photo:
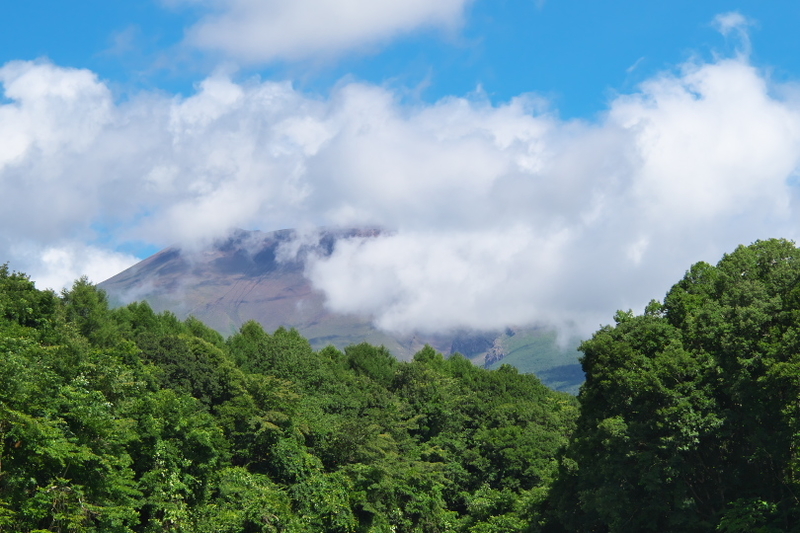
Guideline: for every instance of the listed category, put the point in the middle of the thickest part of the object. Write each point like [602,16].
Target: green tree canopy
[126,420]
[689,413]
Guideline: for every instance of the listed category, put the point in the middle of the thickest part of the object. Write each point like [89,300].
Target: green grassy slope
[537,351]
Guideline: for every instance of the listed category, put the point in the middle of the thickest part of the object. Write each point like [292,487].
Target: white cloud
[713,142]
[735,23]
[731,21]
[501,213]
[57,110]
[422,280]
[57,267]
[256,31]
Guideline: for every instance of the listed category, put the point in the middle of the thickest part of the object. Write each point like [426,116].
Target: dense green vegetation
[690,414]
[126,420]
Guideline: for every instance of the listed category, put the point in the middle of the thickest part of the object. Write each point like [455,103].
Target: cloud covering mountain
[498,213]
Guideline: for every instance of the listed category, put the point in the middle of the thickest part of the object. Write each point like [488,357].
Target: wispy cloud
[635,65]
[734,23]
[259,31]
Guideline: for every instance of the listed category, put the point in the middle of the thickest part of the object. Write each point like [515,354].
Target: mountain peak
[255,275]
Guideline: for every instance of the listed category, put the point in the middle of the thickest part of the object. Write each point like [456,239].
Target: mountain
[252,275]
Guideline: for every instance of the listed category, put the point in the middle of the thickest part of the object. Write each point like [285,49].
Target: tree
[689,412]
[130,421]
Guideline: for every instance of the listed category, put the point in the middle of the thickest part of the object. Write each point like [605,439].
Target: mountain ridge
[254,275]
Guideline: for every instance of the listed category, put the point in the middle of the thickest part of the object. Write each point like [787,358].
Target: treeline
[126,420]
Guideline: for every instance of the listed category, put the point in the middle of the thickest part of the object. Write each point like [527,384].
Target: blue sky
[539,161]
[574,52]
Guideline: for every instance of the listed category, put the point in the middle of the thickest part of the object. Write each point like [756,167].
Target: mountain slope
[259,276]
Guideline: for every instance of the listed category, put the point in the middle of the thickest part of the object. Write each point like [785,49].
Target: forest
[127,420]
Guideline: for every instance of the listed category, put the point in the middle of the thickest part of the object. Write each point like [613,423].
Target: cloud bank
[501,214]
[259,31]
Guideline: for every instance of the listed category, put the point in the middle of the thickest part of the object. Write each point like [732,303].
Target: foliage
[127,420]
[689,415]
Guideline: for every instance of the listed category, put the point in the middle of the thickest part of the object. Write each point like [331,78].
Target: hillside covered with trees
[127,420]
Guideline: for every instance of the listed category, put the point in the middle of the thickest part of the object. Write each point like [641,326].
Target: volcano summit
[252,275]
